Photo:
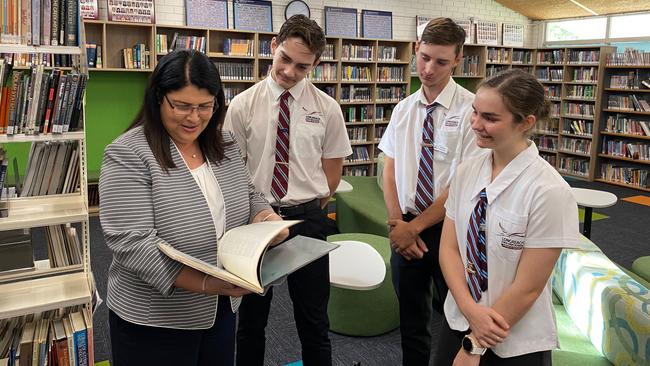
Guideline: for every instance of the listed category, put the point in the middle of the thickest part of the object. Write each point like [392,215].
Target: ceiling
[557,9]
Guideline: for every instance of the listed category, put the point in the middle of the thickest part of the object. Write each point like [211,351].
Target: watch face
[296,7]
[467,344]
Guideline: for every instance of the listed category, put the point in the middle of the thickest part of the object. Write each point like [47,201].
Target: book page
[241,248]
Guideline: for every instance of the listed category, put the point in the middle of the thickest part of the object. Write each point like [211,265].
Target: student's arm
[534,269]
[333,168]
[487,325]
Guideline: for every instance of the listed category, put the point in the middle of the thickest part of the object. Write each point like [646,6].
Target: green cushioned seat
[575,348]
[641,267]
[364,313]
[362,210]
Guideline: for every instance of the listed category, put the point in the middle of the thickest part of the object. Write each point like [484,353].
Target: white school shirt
[209,186]
[454,140]
[529,206]
[316,131]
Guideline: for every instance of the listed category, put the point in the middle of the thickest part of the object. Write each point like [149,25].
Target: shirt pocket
[444,145]
[507,235]
[307,138]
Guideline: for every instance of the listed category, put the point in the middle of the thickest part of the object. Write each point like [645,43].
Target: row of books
[52,168]
[358,134]
[583,56]
[550,57]
[579,109]
[522,57]
[390,93]
[469,66]
[498,55]
[547,126]
[359,153]
[53,338]
[39,22]
[383,113]
[356,73]
[391,73]
[40,102]
[555,109]
[359,114]
[625,148]
[620,123]
[30,59]
[546,142]
[379,132]
[356,171]
[235,70]
[237,47]
[579,127]
[551,159]
[387,53]
[229,92]
[491,70]
[630,80]
[552,91]
[585,74]
[574,166]
[581,91]
[629,57]
[328,89]
[549,74]
[328,53]
[136,57]
[352,93]
[94,55]
[352,52]
[63,246]
[582,146]
[324,72]
[628,102]
[185,42]
[624,174]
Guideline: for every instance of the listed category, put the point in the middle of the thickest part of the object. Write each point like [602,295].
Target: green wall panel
[112,101]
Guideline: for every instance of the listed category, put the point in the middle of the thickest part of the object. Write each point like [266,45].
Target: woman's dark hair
[522,94]
[175,71]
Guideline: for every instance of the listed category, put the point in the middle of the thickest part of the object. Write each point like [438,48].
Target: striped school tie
[424,190]
[280,181]
[477,265]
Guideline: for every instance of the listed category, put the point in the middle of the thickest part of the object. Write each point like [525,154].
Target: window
[623,26]
[576,30]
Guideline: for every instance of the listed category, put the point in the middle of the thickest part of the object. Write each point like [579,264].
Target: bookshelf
[367,77]
[50,285]
[624,151]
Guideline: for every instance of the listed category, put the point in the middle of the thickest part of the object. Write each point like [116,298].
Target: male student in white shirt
[298,179]
[428,136]
[509,214]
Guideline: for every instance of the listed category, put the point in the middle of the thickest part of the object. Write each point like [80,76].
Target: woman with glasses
[174,177]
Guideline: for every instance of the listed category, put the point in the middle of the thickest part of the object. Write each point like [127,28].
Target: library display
[135,11]
[253,15]
[89,9]
[376,24]
[206,13]
[340,22]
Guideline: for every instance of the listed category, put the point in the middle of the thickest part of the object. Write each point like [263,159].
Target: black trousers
[134,344]
[309,289]
[413,281]
[450,343]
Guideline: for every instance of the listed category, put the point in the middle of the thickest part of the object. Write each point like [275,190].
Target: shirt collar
[277,90]
[506,177]
[445,97]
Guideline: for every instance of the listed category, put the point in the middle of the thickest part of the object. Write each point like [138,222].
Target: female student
[508,216]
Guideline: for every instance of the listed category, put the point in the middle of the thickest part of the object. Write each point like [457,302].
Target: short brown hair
[306,29]
[522,94]
[444,32]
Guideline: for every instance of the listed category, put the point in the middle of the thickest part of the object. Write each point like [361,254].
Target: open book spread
[246,260]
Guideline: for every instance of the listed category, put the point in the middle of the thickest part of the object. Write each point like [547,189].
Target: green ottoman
[641,267]
[364,313]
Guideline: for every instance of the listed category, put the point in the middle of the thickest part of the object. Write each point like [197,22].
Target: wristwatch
[471,347]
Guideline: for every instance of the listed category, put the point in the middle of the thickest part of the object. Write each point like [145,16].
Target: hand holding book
[270,215]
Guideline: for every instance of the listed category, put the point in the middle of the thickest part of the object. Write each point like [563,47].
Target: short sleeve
[387,143]
[450,203]
[553,219]
[336,143]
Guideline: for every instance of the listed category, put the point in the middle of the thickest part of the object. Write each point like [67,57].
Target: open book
[246,260]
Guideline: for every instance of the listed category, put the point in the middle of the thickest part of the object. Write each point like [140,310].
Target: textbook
[246,259]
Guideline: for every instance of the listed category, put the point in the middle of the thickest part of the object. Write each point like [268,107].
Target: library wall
[172,12]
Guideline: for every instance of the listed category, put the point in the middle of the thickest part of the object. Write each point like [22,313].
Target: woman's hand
[215,286]
[283,235]
[488,327]
[465,359]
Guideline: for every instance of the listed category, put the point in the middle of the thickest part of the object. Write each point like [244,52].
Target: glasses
[184,110]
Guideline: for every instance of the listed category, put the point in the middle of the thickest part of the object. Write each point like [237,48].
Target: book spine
[54,29]
[72,20]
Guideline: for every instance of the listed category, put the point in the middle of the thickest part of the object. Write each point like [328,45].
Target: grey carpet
[623,237]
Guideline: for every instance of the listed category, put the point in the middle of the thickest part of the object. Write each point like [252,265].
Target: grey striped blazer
[141,206]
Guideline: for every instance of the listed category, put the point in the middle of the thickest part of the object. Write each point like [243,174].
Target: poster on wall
[89,9]
[133,11]
[377,24]
[253,15]
[206,13]
[512,35]
[340,22]
[487,33]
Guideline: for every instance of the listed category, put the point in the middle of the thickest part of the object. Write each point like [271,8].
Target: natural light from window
[577,29]
[623,26]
